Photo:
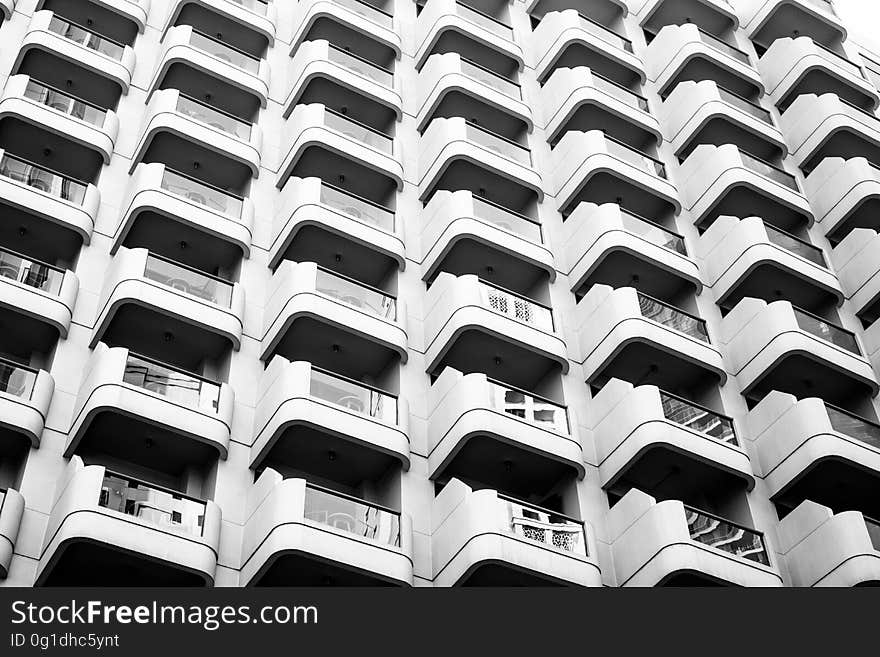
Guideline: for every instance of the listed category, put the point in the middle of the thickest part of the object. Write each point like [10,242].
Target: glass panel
[368,11]
[361,66]
[42,179]
[611,88]
[634,157]
[727,536]
[534,410]
[358,131]
[202,194]
[153,505]
[16,380]
[188,281]
[31,273]
[65,104]
[826,331]
[769,171]
[606,34]
[874,532]
[355,294]
[255,6]
[673,318]
[498,144]
[85,38]
[350,515]
[214,118]
[484,20]
[491,79]
[698,418]
[225,53]
[177,386]
[745,105]
[357,207]
[722,46]
[652,232]
[795,245]
[552,529]
[853,426]
[518,308]
[507,220]
[353,395]
[874,76]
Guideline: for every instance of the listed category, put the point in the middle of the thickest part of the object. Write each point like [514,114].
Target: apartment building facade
[438,293]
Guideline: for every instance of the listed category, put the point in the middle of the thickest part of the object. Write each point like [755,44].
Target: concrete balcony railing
[183,45]
[260,16]
[362,18]
[111,529]
[448,73]
[632,421]
[135,11]
[6,9]
[441,16]
[70,203]
[91,126]
[291,520]
[857,262]
[117,381]
[294,394]
[476,529]
[715,16]
[11,512]
[844,195]
[25,395]
[822,548]
[795,66]
[653,542]
[765,21]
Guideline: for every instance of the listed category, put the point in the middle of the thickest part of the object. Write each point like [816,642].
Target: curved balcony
[6,9]
[857,262]
[449,80]
[704,113]
[452,21]
[144,292]
[593,167]
[304,412]
[476,425]
[723,180]
[457,223]
[69,203]
[795,66]
[775,346]
[748,258]
[47,108]
[715,16]
[25,395]
[817,127]
[184,47]
[605,243]
[643,430]
[452,150]
[135,11]
[109,59]
[481,538]
[259,16]
[685,52]
[473,326]
[107,529]
[11,512]
[579,99]
[822,548]
[845,195]
[623,332]
[124,397]
[669,543]
[372,24]
[765,21]
[299,534]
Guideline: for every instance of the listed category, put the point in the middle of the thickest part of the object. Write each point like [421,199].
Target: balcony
[671,544]
[626,334]
[607,244]
[482,538]
[473,326]
[749,258]
[817,127]
[641,431]
[305,413]
[147,297]
[765,21]
[144,411]
[775,346]
[248,18]
[108,529]
[25,395]
[844,194]
[11,512]
[299,534]
[822,548]
[685,52]
[358,25]
[593,167]
[799,66]
[579,99]
[807,448]
[723,180]
[483,430]
[133,12]
[191,58]
[715,16]
[704,113]
[449,25]
[462,231]
[43,108]
[6,9]
[455,154]
[856,263]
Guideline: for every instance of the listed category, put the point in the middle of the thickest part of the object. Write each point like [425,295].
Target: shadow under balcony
[715,16]
[765,21]
[249,24]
